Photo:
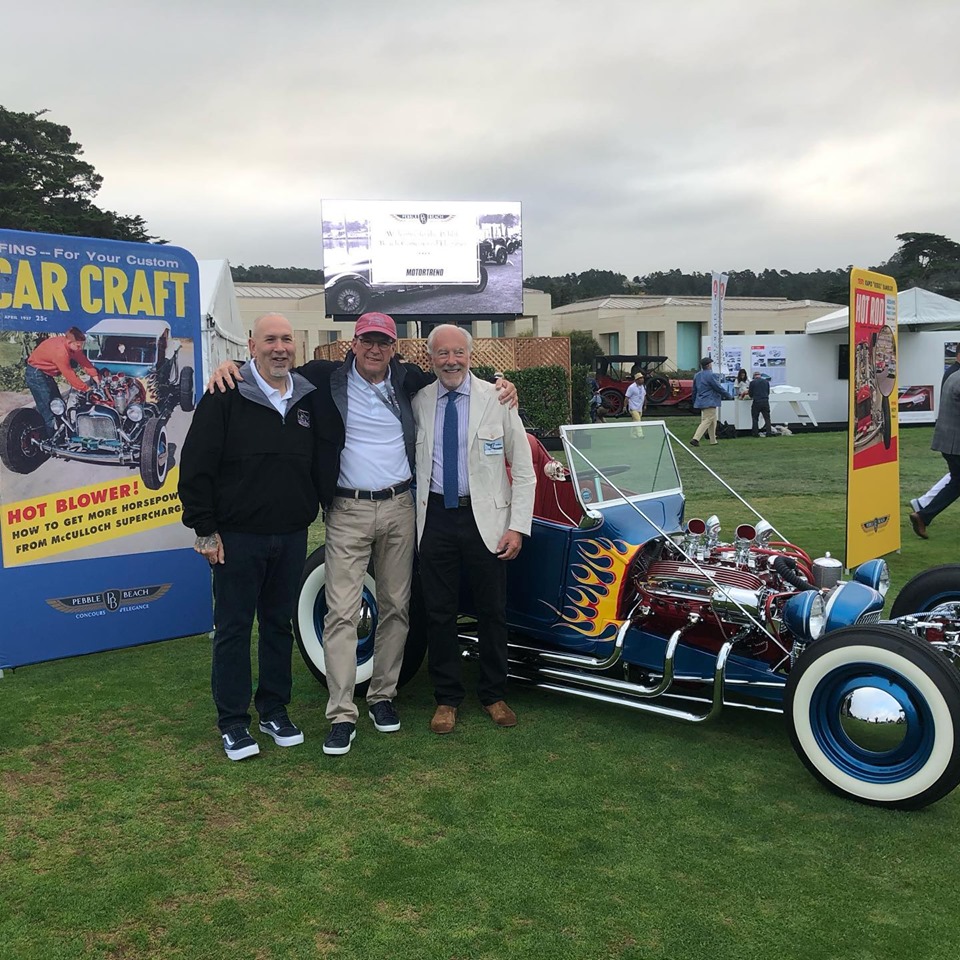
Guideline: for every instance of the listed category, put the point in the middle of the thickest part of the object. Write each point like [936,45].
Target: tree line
[927,260]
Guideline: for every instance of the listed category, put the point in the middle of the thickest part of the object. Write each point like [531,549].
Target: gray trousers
[356,531]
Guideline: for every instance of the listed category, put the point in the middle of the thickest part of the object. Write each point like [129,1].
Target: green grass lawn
[585,832]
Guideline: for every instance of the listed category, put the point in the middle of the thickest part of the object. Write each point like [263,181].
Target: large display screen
[434,257]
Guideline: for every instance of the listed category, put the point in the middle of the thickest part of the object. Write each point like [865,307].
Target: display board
[97,385]
[873,467]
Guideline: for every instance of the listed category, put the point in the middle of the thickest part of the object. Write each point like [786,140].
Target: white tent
[916,309]
[223,333]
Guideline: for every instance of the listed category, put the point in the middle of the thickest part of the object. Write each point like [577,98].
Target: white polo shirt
[374,456]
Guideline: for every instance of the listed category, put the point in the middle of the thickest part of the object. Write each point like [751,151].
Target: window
[498,328]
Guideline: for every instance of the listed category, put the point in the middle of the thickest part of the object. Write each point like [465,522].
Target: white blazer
[497,505]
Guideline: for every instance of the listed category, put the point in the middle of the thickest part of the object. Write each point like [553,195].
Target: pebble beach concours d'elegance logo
[877,523]
[422,217]
[109,601]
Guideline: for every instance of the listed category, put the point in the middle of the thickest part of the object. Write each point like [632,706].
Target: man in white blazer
[470,517]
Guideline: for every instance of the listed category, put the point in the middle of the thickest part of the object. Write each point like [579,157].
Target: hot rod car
[618,598]
[119,421]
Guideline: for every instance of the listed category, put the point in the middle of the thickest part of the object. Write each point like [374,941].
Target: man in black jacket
[759,391]
[249,485]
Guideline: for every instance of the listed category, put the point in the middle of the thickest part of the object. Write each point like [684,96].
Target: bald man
[250,487]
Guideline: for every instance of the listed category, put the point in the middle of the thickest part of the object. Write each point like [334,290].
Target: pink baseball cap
[376,323]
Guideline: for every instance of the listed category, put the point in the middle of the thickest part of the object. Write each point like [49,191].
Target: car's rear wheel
[311,610]
[929,590]
[20,436]
[658,390]
[874,715]
[186,389]
[154,454]
[501,255]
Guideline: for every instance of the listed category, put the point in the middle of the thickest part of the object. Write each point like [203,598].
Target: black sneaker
[384,716]
[339,738]
[694,443]
[284,733]
[238,744]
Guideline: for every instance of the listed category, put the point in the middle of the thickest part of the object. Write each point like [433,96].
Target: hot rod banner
[873,467]
[97,383]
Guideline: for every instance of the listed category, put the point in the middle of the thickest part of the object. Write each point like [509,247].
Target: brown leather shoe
[919,527]
[444,719]
[501,714]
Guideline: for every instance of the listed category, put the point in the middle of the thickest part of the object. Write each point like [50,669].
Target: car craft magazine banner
[97,384]
[873,467]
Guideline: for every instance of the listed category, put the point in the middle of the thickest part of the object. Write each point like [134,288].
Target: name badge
[493,448]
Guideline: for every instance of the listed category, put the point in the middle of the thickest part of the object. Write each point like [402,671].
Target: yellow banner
[44,527]
[873,464]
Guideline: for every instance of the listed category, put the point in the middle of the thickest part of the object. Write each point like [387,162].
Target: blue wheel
[933,588]
[874,714]
[311,609]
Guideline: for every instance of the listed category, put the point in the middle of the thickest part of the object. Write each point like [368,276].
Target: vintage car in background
[617,597]
[615,373]
[120,421]
[348,291]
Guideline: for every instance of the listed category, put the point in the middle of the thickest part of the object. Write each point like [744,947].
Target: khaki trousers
[356,531]
[636,416]
[708,424]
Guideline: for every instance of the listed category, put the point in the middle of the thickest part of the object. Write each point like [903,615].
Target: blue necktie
[451,453]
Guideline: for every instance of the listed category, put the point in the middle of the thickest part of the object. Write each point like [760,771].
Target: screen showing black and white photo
[429,257]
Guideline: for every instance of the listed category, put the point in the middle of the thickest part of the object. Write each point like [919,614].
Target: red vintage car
[615,373]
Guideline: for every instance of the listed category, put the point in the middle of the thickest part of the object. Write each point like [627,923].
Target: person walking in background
[946,440]
[636,398]
[759,392]
[924,500]
[708,394]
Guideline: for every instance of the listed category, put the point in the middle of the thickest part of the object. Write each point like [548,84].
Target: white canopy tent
[916,309]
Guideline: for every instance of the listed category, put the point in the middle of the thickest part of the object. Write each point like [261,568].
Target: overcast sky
[639,135]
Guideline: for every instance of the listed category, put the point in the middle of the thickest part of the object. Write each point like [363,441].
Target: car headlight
[57,407]
[875,574]
[805,615]
[135,412]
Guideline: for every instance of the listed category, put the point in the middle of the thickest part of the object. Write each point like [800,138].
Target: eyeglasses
[374,342]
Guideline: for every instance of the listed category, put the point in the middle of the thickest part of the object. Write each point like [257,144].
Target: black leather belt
[438,498]
[386,494]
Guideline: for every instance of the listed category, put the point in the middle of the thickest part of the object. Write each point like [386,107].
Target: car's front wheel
[350,298]
[154,454]
[311,610]
[874,714]
[20,436]
[613,400]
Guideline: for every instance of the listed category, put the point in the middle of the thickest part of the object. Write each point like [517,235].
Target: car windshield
[123,349]
[611,459]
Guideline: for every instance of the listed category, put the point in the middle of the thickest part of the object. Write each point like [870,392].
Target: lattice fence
[516,353]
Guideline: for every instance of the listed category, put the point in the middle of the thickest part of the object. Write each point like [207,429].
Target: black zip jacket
[246,469]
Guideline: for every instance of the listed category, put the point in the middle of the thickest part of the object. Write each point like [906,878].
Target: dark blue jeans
[44,389]
[260,575]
